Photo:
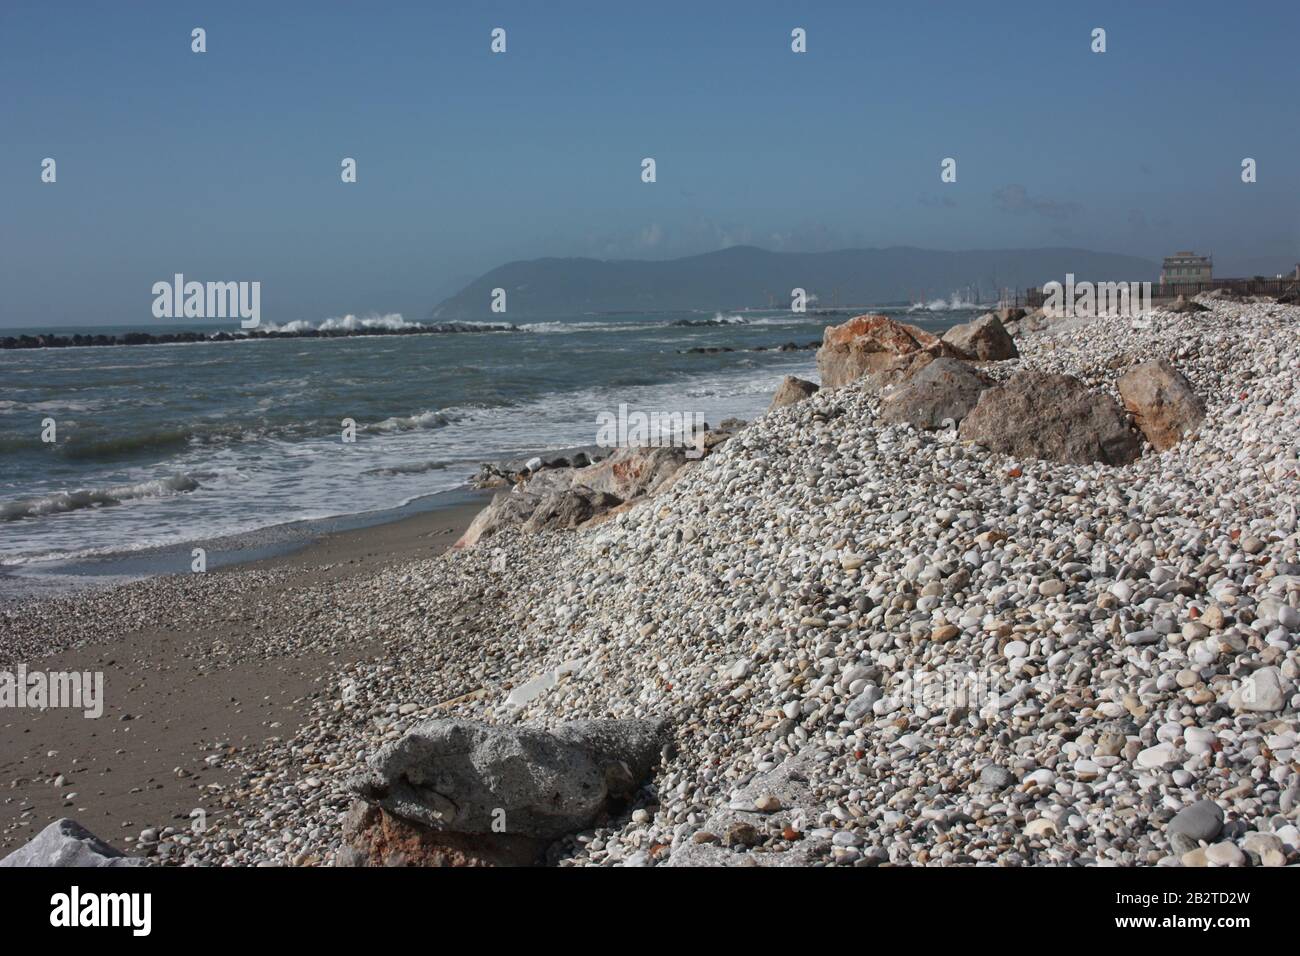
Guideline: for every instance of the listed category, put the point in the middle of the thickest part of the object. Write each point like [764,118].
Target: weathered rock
[875,346]
[537,510]
[568,497]
[507,509]
[374,837]
[1052,417]
[945,390]
[67,843]
[569,508]
[462,776]
[1162,402]
[984,338]
[792,390]
[636,472]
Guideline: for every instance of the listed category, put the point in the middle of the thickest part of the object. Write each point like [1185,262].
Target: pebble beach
[873,644]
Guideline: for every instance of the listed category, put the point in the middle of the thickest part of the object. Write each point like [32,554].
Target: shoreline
[182,703]
[266,546]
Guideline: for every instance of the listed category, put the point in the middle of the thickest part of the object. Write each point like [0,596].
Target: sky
[225,165]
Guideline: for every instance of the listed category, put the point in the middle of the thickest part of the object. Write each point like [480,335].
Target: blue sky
[225,165]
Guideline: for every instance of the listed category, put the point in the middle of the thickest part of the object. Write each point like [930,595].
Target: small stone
[1225,854]
[998,778]
[740,834]
[1261,692]
[1039,828]
[1155,757]
[1198,822]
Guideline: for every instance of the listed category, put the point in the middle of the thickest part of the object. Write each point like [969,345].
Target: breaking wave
[65,501]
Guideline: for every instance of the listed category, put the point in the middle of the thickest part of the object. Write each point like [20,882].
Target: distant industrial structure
[1185,268]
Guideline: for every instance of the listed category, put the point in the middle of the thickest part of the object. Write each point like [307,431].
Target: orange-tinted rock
[374,837]
[878,347]
[1162,402]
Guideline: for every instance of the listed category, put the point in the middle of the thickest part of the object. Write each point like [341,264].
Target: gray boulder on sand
[67,843]
[1052,417]
[985,338]
[463,776]
[944,390]
[1162,402]
[792,390]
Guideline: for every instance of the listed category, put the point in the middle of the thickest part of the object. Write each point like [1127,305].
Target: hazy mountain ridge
[746,276]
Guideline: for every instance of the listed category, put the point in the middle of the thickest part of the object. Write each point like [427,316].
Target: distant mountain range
[748,277]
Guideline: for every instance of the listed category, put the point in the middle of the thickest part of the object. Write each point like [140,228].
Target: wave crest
[64,501]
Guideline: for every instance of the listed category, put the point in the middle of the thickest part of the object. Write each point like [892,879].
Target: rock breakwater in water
[52,341]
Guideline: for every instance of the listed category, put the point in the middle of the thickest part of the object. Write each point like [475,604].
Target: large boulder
[537,511]
[569,508]
[1053,417]
[637,471]
[791,391]
[985,338]
[567,497]
[67,843]
[876,346]
[1162,402]
[943,391]
[466,777]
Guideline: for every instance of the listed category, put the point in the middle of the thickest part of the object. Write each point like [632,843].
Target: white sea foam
[62,501]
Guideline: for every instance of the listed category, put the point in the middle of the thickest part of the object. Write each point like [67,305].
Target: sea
[161,445]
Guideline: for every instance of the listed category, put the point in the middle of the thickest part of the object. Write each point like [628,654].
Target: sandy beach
[184,702]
